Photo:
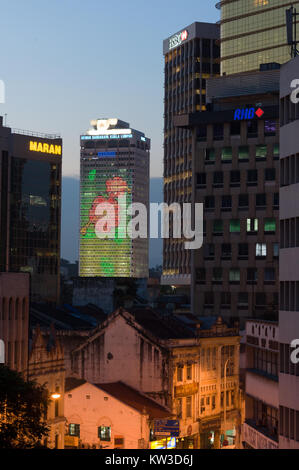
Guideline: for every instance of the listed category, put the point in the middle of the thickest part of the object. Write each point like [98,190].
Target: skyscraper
[191,57]
[253,32]
[114,164]
[30,190]
[236,177]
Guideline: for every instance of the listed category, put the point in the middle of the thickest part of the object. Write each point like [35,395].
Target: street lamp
[55,396]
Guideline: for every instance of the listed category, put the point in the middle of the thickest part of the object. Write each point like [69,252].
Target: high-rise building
[236,177]
[253,32]
[115,170]
[30,211]
[191,57]
[289,253]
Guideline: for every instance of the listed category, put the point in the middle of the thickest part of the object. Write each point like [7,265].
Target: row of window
[235,226]
[265,361]
[234,275]
[260,299]
[104,432]
[289,423]
[261,250]
[235,177]
[251,127]
[289,296]
[289,233]
[289,170]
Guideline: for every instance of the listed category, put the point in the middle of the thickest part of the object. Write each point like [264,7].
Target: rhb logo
[248,113]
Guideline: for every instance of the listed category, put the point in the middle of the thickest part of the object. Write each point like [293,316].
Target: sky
[65,62]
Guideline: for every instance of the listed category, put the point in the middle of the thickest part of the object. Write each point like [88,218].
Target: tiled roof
[71,383]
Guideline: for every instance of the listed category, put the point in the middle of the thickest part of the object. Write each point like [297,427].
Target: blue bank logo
[244,114]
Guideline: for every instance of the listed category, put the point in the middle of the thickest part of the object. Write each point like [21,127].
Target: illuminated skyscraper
[114,164]
[253,32]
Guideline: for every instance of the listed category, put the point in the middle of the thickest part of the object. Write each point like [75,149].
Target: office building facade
[289,252]
[191,57]
[253,32]
[114,170]
[236,177]
[31,209]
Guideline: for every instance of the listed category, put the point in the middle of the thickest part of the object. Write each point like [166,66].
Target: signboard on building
[163,444]
[177,39]
[186,390]
[71,441]
[166,428]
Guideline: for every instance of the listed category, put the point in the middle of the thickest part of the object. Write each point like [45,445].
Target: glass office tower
[114,170]
[253,32]
[30,169]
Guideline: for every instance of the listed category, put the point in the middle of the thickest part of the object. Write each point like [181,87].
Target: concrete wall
[101,409]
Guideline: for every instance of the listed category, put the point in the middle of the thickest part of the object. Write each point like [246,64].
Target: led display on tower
[114,174]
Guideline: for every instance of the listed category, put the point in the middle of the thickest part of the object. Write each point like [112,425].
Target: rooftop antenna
[291,15]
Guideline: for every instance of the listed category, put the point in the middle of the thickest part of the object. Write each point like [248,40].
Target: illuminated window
[74,430]
[234,275]
[261,250]
[104,433]
[235,226]
[270,225]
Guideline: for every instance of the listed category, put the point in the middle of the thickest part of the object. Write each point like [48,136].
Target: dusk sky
[65,62]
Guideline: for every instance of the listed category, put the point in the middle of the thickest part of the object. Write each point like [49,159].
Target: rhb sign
[244,114]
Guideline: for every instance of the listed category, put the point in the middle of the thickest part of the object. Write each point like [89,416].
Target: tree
[23,406]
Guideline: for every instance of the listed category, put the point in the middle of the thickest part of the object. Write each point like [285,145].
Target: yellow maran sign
[45,148]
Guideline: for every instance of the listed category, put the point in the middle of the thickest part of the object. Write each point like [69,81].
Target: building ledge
[261,373]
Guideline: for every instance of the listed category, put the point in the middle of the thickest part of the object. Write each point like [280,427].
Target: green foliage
[23,406]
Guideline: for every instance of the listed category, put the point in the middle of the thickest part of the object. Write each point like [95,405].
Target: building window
[270,128]
[243,251]
[217,275]
[210,155]
[243,300]
[235,226]
[179,408]
[189,372]
[188,407]
[269,275]
[275,250]
[252,129]
[218,131]
[74,430]
[201,180]
[261,250]
[261,201]
[243,201]
[209,299]
[261,152]
[104,433]
[252,177]
[251,275]
[226,203]
[252,225]
[270,174]
[276,200]
[235,128]
[218,179]
[209,203]
[218,227]
[235,178]
[209,251]
[201,275]
[180,373]
[270,225]
[225,299]
[244,153]
[226,251]
[234,275]
[226,155]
